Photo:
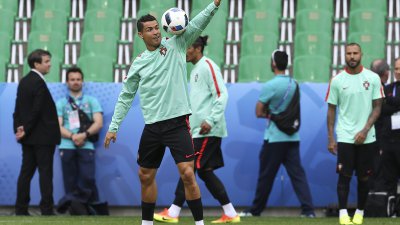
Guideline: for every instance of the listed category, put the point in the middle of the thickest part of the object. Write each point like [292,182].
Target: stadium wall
[117,168]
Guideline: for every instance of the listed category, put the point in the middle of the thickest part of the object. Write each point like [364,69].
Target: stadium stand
[97,68]
[301,27]
[49,20]
[311,68]
[5,43]
[272,5]
[11,5]
[254,68]
[326,5]
[61,5]
[3,62]
[105,4]
[7,21]
[99,43]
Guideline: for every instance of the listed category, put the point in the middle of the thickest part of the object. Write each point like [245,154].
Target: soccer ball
[174,21]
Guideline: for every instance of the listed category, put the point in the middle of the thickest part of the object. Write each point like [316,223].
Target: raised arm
[198,24]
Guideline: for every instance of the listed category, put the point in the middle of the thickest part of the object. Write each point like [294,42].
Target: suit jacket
[36,112]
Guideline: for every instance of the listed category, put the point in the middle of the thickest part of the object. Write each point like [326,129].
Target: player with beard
[358,93]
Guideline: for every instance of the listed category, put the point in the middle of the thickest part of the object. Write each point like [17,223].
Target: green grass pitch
[111,220]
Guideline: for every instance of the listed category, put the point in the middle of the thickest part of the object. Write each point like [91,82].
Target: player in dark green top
[159,73]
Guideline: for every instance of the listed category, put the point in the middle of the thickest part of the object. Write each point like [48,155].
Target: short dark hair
[201,42]
[281,59]
[36,57]
[379,66]
[74,70]
[353,44]
[142,19]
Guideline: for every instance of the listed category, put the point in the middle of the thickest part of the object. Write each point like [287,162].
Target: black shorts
[356,157]
[174,134]
[208,153]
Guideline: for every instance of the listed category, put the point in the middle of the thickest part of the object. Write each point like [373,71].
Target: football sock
[360,212]
[146,222]
[148,211]
[174,211]
[229,210]
[179,194]
[343,212]
[362,188]
[215,186]
[343,187]
[197,209]
[201,222]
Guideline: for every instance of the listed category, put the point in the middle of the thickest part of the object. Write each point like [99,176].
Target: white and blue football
[174,21]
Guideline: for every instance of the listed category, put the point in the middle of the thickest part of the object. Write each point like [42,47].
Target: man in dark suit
[36,128]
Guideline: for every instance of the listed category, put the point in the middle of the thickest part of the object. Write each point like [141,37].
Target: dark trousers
[78,167]
[41,157]
[391,164]
[271,157]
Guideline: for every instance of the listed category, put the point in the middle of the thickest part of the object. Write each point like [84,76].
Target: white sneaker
[245,214]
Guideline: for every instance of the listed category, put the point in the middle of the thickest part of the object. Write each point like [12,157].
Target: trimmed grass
[111,220]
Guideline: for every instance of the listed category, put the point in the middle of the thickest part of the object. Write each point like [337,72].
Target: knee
[188,176]
[145,177]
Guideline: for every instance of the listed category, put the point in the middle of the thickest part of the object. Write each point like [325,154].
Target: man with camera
[80,117]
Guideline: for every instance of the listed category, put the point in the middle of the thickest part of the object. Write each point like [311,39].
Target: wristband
[87,134]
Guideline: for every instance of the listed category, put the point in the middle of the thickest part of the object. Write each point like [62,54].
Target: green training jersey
[161,77]
[208,96]
[353,95]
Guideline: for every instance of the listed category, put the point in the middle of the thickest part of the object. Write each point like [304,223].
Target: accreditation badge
[73,119]
[395,118]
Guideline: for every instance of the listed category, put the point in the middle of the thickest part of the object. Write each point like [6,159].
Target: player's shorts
[356,157]
[172,133]
[208,153]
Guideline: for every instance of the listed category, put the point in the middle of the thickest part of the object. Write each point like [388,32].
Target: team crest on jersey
[366,85]
[196,77]
[163,50]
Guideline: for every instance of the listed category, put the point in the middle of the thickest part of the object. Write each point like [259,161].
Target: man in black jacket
[36,128]
[391,132]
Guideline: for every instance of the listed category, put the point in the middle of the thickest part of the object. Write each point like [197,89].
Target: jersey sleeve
[124,102]
[196,26]
[59,106]
[378,91]
[267,92]
[218,91]
[332,95]
[96,106]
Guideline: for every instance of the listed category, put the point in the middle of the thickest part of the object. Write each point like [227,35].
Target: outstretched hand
[110,136]
[217,2]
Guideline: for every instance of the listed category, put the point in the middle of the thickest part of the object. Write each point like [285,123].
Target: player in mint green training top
[159,73]
[357,93]
[208,96]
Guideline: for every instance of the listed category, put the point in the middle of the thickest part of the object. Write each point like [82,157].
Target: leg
[86,174]
[214,185]
[192,191]
[45,156]
[149,192]
[345,168]
[27,171]
[69,170]
[391,166]
[270,161]
[364,170]
[217,190]
[298,177]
